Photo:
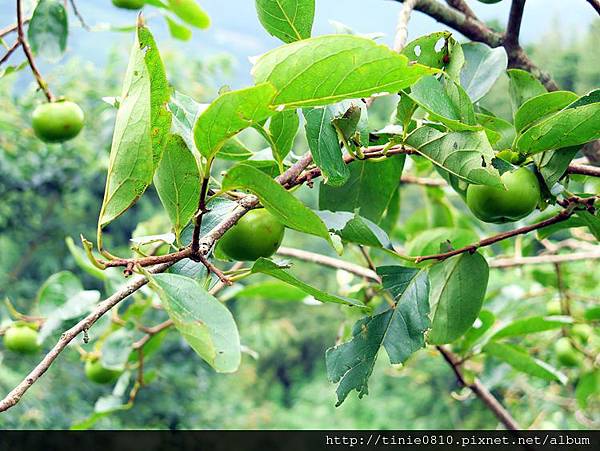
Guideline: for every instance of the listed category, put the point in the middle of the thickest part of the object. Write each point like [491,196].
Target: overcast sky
[236,29]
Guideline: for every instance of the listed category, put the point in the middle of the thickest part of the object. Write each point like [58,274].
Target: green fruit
[565,353]
[499,205]
[554,308]
[583,332]
[95,372]
[511,156]
[128,4]
[257,234]
[57,121]
[22,339]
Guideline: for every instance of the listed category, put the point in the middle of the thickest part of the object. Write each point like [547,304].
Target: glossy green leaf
[458,286]
[532,325]
[190,12]
[48,29]
[203,321]
[327,69]
[229,114]
[177,182]
[430,95]
[355,229]
[483,66]
[283,128]
[538,107]
[282,204]
[399,329]
[370,188]
[269,267]
[518,358]
[142,125]
[288,20]
[269,290]
[466,155]
[523,86]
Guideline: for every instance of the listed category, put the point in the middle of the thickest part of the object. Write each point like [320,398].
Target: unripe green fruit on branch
[498,205]
[56,122]
[21,339]
[257,234]
[97,373]
[565,352]
[128,4]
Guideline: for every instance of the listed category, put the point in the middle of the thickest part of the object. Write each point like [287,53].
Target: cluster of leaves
[165,139]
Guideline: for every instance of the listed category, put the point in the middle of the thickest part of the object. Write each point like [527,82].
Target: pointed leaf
[288,20]
[355,229]
[48,29]
[523,86]
[532,325]
[483,66]
[538,107]
[283,128]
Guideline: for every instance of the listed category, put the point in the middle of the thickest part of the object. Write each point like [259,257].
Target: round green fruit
[22,339]
[553,308]
[565,353]
[95,372]
[257,234]
[57,121]
[499,205]
[128,4]
[583,332]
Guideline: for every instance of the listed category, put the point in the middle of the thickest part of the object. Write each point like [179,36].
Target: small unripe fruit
[257,234]
[583,332]
[128,4]
[553,308]
[565,353]
[57,122]
[21,339]
[97,373]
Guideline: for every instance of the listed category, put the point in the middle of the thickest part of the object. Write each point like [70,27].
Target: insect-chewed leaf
[458,288]
[428,51]
[400,330]
[177,181]
[281,203]
[266,266]
[326,69]
[288,20]
[231,113]
[467,155]
[48,29]
[142,124]
[203,321]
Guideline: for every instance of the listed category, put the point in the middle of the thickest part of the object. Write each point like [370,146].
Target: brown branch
[462,6]
[25,46]
[12,28]
[402,27]
[595,4]
[584,169]
[15,395]
[200,211]
[9,52]
[513,28]
[562,216]
[480,391]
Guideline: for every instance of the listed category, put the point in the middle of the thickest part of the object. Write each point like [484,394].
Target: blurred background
[48,193]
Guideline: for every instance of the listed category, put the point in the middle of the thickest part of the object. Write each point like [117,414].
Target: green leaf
[523,86]
[587,386]
[185,110]
[56,290]
[430,95]
[324,144]
[141,128]
[177,30]
[540,106]
[458,286]
[480,327]
[355,229]
[532,325]
[553,164]
[270,290]
[466,155]
[282,204]
[504,129]
[234,150]
[229,114]
[518,358]
[204,322]
[430,53]
[591,221]
[429,241]
[48,29]
[283,128]
[177,181]
[288,20]
[400,330]
[483,66]
[266,266]
[116,349]
[190,12]
[83,262]
[370,188]
[327,69]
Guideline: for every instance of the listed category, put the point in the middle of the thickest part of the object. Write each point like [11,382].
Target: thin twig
[200,211]
[25,46]
[513,28]
[480,391]
[79,16]
[9,52]
[12,28]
